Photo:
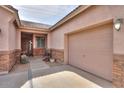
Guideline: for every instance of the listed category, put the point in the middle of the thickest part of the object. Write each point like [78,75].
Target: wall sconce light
[117,24]
[0,30]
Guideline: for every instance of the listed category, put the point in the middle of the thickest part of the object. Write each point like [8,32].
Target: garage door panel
[91,50]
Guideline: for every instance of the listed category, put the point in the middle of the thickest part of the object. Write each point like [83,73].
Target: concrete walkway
[20,73]
[39,74]
[35,63]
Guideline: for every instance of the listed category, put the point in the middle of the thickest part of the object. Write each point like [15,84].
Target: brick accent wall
[38,51]
[4,62]
[8,59]
[58,54]
[11,60]
[118,71]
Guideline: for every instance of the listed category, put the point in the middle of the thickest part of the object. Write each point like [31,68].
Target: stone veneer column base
[8,59]
[58,54]
[118,71]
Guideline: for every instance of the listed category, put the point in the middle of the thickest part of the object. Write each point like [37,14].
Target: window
[40,42]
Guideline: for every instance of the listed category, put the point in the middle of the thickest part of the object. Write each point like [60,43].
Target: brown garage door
[91,50]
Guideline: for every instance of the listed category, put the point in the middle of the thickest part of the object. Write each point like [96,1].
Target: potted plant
[24,58]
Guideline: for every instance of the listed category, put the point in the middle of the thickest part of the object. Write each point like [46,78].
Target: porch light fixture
[117,24]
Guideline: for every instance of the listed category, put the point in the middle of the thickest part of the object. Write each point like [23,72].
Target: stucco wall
[118,36]
[48,40]
[4,18]
[9,36]
[18,40]
[12,37]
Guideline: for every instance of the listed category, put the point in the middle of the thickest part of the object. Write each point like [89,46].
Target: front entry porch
[33,44]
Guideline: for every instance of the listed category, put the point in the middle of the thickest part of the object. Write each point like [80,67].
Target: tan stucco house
[85,38]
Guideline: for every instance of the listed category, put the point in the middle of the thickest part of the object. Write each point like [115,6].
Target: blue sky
[47,14]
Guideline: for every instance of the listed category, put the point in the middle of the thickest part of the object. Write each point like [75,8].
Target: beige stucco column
[66,59]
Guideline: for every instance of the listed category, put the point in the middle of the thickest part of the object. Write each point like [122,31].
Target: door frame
[90,26]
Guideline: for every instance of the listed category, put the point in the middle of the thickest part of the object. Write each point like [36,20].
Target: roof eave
[33,28]
[13,11]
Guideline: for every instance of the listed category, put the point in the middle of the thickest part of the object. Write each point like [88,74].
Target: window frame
[43,46]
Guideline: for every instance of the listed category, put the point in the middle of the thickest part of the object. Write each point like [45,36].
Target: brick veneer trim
[57,54]
[58,50]
[118,70]
[8,59]
[38,51]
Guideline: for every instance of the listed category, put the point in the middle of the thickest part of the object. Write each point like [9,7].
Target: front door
[26,43]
